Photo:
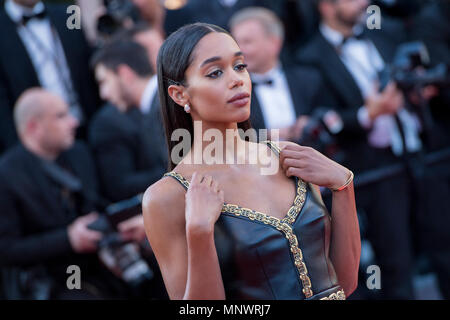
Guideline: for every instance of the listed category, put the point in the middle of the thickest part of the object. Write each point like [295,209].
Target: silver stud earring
[187,108]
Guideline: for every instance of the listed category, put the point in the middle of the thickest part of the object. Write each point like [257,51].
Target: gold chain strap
[340,295]
[283,225]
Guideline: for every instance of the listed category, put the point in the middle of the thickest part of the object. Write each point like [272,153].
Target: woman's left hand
[312,166]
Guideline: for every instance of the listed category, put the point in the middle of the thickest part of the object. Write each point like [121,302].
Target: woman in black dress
[240,232]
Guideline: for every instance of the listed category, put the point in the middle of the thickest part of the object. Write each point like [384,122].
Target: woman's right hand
[204,203]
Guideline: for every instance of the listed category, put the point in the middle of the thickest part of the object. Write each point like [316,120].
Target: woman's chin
[243,115]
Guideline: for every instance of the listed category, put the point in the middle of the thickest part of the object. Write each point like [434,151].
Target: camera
[122,258]
[411,69]
[319,133]
[117,12]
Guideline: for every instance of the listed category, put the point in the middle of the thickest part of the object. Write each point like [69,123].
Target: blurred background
[82,136]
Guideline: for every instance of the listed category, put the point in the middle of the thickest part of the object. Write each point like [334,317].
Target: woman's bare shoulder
[164,199]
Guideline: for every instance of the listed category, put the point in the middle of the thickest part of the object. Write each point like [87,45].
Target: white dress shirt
[275,99]
[46,53]
[363,61]
[149,94]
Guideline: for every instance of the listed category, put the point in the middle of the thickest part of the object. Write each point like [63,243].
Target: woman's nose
[236,81]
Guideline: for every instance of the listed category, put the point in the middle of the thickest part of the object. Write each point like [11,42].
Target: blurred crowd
[81,135]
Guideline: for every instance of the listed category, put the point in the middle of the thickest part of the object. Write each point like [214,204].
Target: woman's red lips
[240,97]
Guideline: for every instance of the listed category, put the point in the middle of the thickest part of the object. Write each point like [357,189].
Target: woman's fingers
[289,153]
[207,180]
[295,147]
[295,158]
[215,186]
[285,154]
[292,162]
[292,171]
[196,178]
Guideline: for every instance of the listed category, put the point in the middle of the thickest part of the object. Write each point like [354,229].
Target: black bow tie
[267,82]
[359,36]
[27,18]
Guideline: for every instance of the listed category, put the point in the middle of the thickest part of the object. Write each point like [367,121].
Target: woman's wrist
[344,181]
[201,229]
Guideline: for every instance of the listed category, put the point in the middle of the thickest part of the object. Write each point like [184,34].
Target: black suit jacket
[346,97]
[33,223]
[432,26]
[17,72]
[129,149]
[305,87]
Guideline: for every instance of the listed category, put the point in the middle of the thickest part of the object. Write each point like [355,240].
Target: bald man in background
[39,50]
[48,197]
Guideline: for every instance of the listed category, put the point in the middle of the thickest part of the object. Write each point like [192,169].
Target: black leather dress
[263,257]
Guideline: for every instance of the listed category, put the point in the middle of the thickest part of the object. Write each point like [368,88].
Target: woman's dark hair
[174,57]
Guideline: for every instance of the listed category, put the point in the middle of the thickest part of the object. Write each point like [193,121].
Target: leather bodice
[263,257]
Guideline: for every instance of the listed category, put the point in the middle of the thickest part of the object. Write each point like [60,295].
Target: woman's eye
[241,67]
[215,74]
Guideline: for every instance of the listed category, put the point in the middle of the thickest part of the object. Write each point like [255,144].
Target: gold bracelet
[346,184]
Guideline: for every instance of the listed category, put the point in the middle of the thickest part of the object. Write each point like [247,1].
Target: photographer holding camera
[378,130]
[48,192]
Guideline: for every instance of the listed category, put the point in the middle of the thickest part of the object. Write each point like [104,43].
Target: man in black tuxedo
[39,50]
[128,145]
[48,195]
[283,95]
[377,131]
[349,58]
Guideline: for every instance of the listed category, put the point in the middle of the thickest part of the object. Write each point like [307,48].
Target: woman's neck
[218,143]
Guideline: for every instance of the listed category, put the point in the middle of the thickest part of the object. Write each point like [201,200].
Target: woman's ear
[178,94]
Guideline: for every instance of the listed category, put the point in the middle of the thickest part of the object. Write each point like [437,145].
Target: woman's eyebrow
[212,59]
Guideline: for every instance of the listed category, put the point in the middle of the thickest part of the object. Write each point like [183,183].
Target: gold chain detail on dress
[340,295]
[300,195]
[283,225]
[179,177]
[287,230]
[273,145]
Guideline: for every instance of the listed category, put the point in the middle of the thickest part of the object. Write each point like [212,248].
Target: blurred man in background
[39,50]
[49,197]
[378,130]
[282,94]
[128,145]
[151,40]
